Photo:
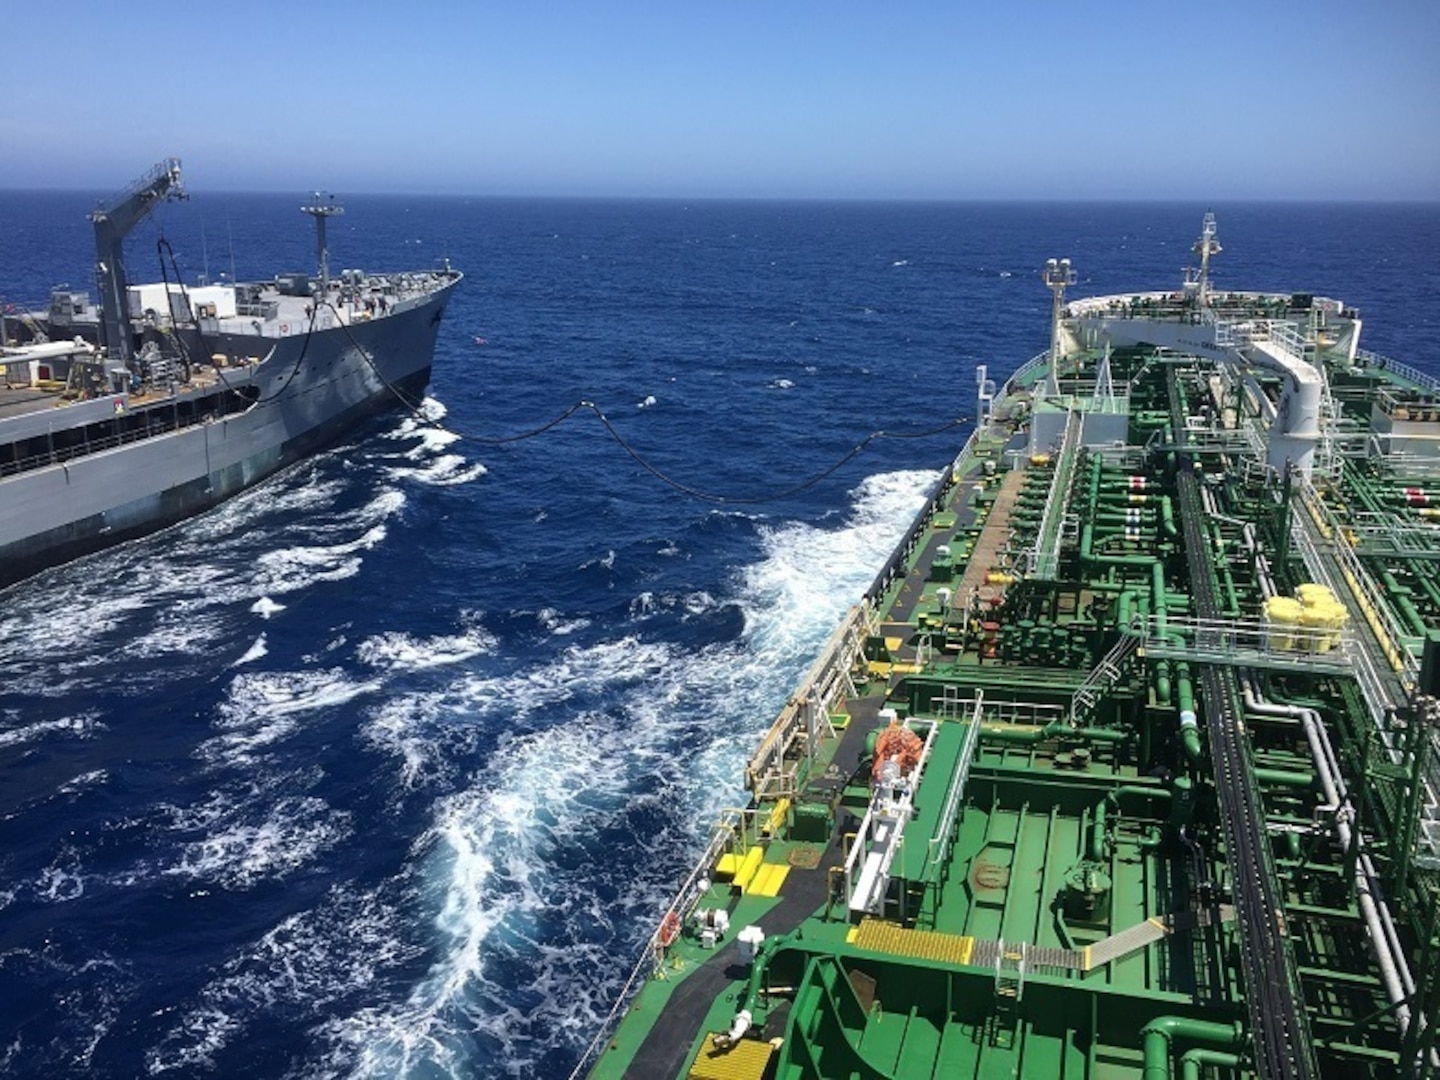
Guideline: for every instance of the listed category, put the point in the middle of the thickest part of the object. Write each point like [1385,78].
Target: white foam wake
[633,740]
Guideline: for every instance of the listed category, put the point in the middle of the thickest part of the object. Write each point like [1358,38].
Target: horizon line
[1358,200]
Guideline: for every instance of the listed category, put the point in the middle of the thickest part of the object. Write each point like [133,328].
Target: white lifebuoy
[284,328]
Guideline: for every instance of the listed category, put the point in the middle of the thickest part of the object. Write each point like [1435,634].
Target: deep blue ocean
[388,767]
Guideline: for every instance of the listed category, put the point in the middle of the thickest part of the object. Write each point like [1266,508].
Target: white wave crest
[333,952]
[446,470]
[255,652]
[238,850]
[79,726]
[554,622]
[397,651]
[264,708]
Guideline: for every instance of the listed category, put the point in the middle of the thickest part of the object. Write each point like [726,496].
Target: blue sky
[1268,99]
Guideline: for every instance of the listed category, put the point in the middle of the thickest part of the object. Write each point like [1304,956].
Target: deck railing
[165,422]
[775,767]
[1247,643]
[1422,379]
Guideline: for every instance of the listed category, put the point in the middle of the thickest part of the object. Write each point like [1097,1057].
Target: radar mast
[1197,282]
[1057,275]
[322,207]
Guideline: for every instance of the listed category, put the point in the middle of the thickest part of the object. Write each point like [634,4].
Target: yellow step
[748,868]
[728,865]
[768,880]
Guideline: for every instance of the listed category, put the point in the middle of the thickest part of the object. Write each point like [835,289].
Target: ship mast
[1057,275]
[1197,282]
[322,207]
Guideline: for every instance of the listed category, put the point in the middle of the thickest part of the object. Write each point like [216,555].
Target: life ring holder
[669,930]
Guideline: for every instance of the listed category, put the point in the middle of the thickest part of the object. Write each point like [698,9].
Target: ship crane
[112,224]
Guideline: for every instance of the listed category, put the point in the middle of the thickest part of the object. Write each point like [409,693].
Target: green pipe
[1158,1033]
[1139,791]
[1167,517]
[1157,598]
[1189,723]
[1162,682]
[1097,834]
[1232,595]
[1182,805]
[1117,516]
[1183,686]
[1400,595]
[1027,733]
[1089,558]
[1426,580]
[1285,778]
[1192,1061]
[1124,607]
[1022,733]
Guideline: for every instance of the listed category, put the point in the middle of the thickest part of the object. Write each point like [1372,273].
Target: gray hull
[311,391]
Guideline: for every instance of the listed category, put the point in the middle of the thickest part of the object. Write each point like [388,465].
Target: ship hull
[311,392]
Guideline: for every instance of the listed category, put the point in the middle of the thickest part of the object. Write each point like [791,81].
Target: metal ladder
[1009,988]
[1103,676]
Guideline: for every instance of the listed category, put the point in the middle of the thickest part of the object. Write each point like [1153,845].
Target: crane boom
[112,224]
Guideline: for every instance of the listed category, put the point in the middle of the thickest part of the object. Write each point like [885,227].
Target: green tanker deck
[1125,765]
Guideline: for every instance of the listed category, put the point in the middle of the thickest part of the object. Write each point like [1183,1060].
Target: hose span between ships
[1126,763]
[121,418]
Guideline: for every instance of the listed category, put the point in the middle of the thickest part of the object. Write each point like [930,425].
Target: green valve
[1087,892]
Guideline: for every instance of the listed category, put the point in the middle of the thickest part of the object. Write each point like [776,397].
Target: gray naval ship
[121,419]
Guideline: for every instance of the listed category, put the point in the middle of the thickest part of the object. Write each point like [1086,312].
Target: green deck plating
[1125,765]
